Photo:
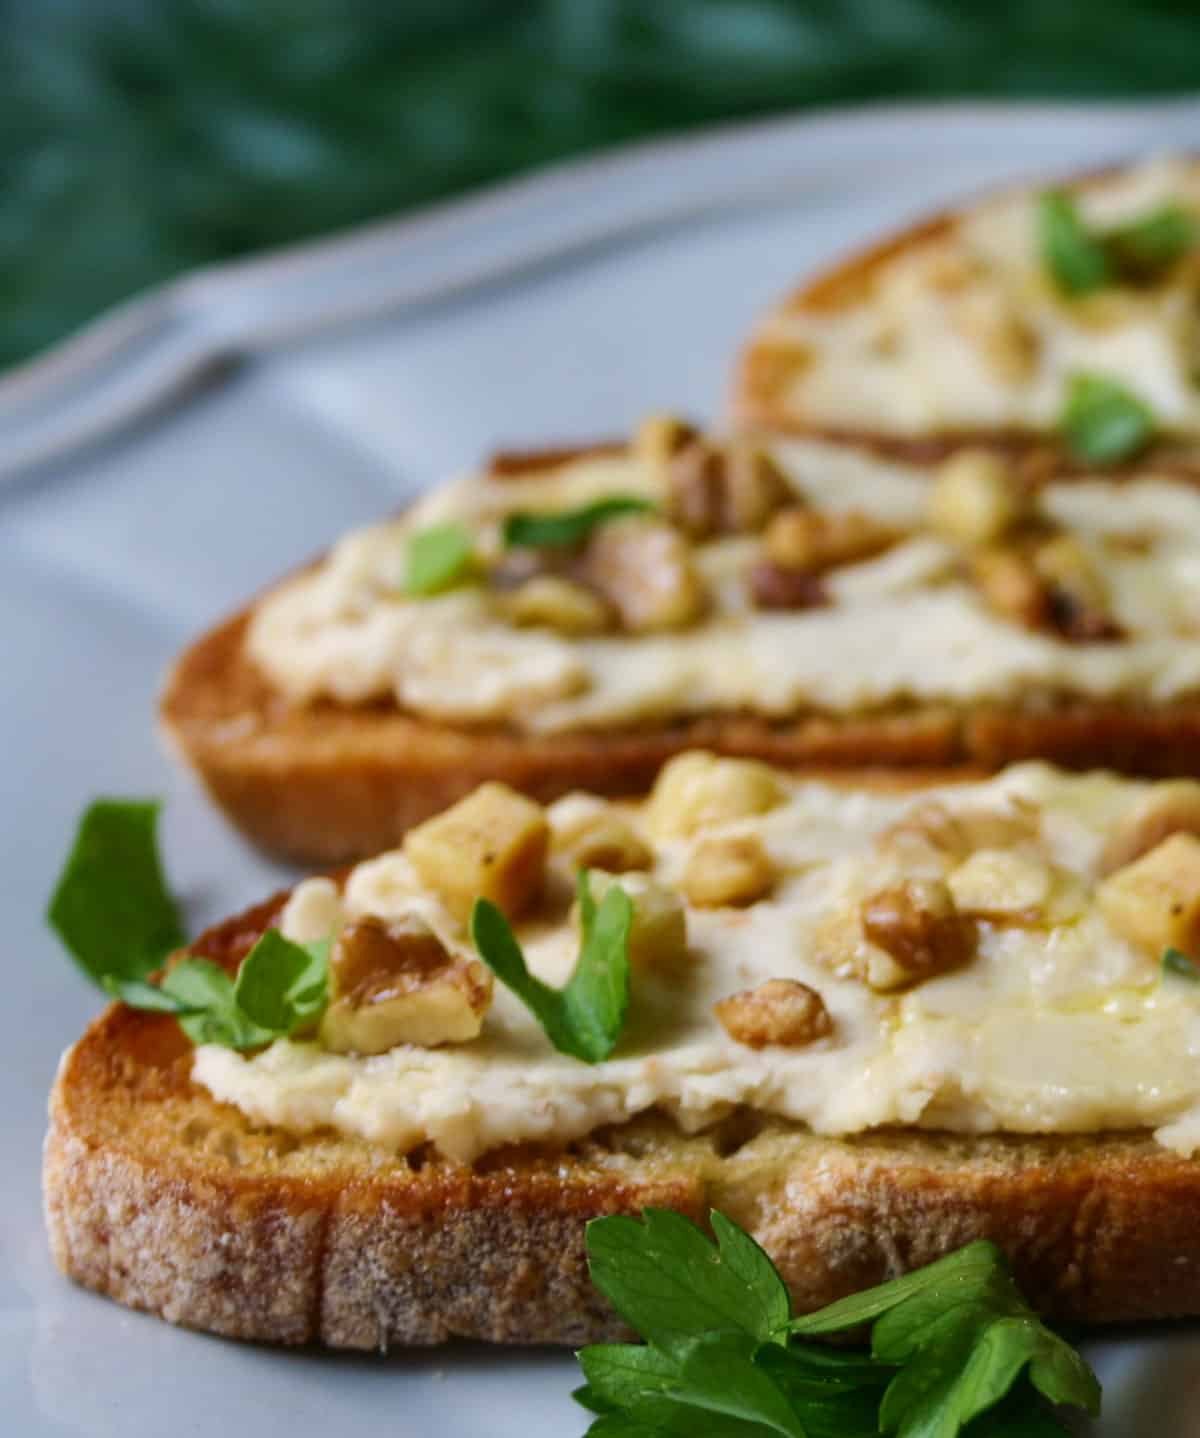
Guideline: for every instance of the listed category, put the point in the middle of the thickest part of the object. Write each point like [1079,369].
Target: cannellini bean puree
[967,329]
[1064,1029]
[903,628]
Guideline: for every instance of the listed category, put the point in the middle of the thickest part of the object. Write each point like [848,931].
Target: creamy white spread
[1061,1027]
[904,628]
[966,328]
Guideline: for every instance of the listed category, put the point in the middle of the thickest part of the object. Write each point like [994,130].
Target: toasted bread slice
[323,781]
[951,334]
[167,1201]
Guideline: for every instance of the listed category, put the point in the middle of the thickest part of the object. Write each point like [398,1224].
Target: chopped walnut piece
[644,568]
[1055,588]
[491,845]
[659,439]
[755,488]
[977,499]
[695,484]
[1003,886]
[607,840]
[917,924]
[698,789]
[1171,807]
[806,539]
[1012,586]
[734,490]
[728,869]
[774,588]
[557,603]
[957,834]
[395,983]
[1154,902]
[1077,596]
[780,1011]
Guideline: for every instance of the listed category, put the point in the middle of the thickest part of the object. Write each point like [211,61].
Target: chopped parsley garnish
[586,1016]
[568,527]
[1103,422]
[1082,259]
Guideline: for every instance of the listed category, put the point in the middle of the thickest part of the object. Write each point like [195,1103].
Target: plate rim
[142,353]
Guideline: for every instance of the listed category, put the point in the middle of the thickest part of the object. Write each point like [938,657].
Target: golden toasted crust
[764,365]
[167,1201]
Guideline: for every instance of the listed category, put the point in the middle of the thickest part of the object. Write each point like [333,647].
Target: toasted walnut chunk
[554,602]
[976,499]
[1077,597]
[955,834]
[814,541]
[781,1012]
[728,869]
[644,568]
[1011,586]
[1002,884]
[660,437]
[695,482]
[698,789]
[658,932]
[730,489]
[1053,586]
[606,840]
[1154,902]
[772,587]
[917,924]
[395,983]
[755,488]
[490,845]
[1172,807]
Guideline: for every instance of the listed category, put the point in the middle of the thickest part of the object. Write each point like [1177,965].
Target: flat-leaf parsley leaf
[586,1016]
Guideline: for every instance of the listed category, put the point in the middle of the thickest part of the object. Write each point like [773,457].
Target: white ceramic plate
[556,308]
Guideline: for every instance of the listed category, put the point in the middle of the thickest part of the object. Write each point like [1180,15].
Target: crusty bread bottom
[168,1201]
[329,784]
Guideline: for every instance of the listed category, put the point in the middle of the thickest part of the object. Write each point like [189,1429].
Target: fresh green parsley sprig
[1075,257]
[1143,248]
[111,906]
[113,911]
[438,558]
[1103,422]
[565,528]
[584,1018]
[954,1347]
[1081,259]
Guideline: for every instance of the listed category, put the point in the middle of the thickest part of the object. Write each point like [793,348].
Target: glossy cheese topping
[966,329]
[1058,1023]
[906,627]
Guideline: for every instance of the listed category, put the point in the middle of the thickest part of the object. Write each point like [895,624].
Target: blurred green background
[142,137]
